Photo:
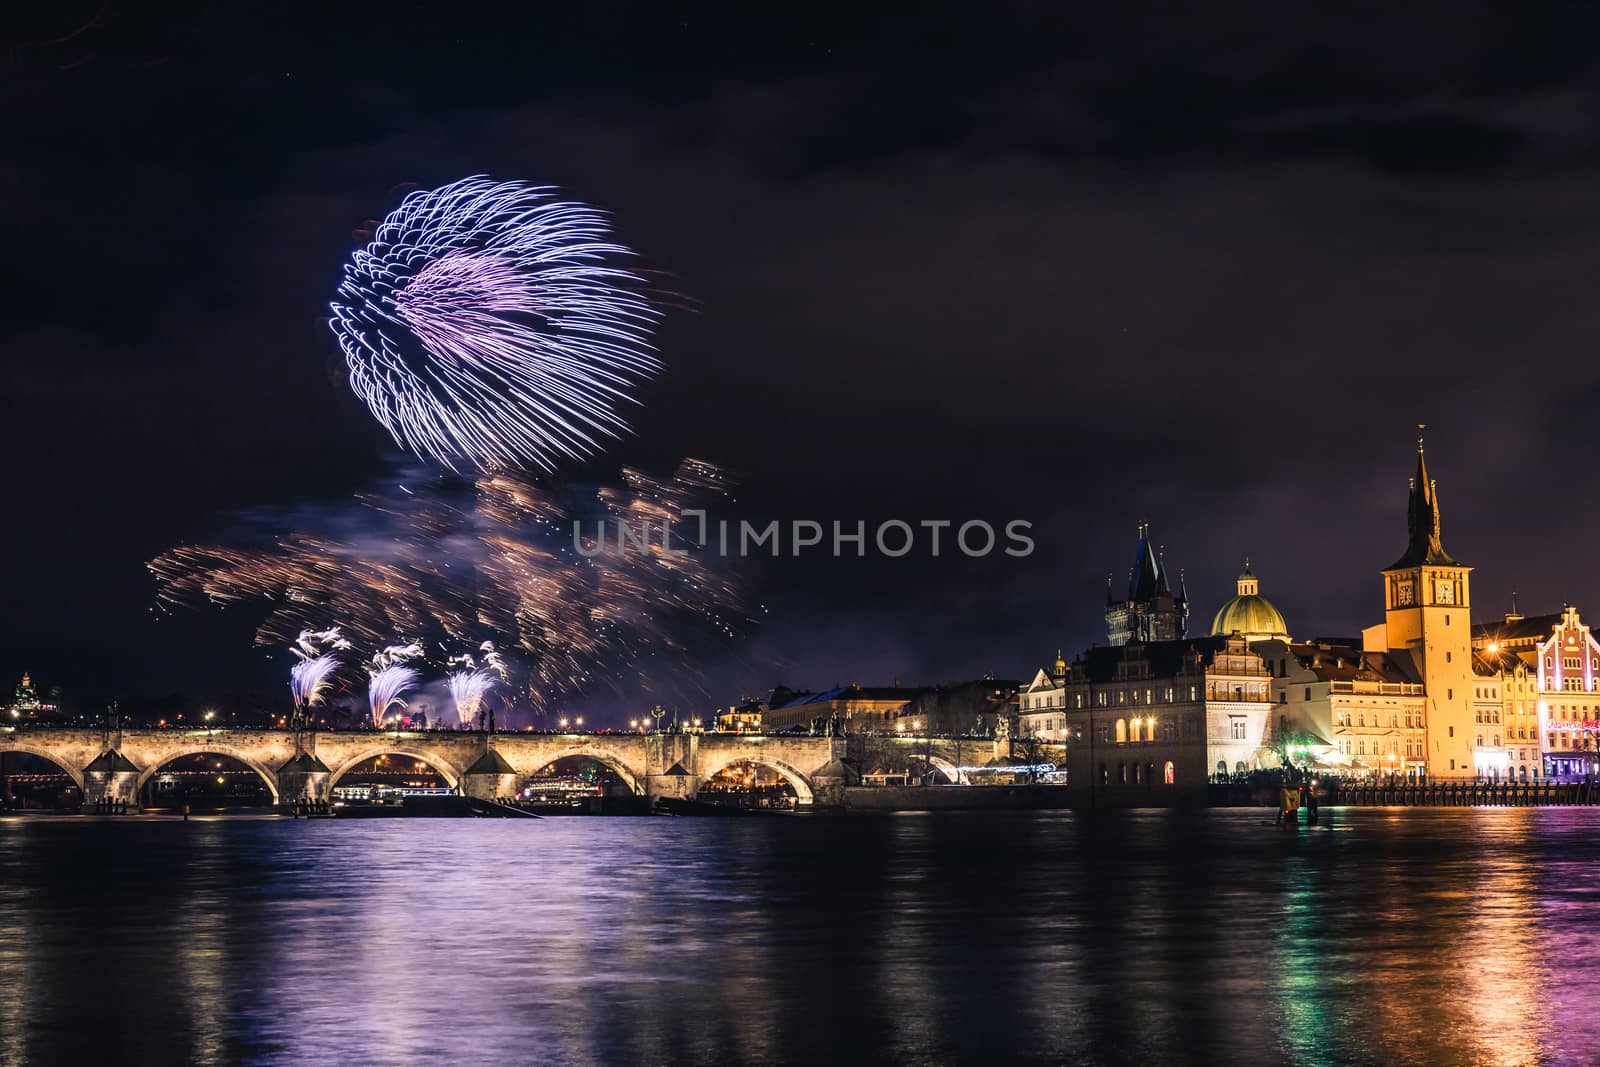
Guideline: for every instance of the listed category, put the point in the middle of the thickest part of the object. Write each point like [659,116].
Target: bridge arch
[797,781]
[940,764]
[269,779]
[75,773]
[600,755]
[443,767]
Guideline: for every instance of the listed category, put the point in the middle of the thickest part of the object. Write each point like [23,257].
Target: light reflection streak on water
[202,947]
[19,942]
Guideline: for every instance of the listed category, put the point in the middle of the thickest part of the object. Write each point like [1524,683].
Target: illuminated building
[25,702]
[1413,696]
[1549,670]
[1350,710]
[859,708]
[1042,704]
[1151,611]
[1150,723]
[742,718]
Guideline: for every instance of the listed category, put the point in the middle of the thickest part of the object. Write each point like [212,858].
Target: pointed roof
[1422,521]
[1146,580]
[491,762]
[110,760]
[305,762]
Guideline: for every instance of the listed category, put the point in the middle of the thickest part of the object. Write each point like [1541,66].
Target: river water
[1459,936]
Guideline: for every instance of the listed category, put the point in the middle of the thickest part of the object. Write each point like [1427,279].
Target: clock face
[1445,591]
[1404,592]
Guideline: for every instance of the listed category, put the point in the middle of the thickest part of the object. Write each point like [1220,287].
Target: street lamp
[579,721]
[563,723]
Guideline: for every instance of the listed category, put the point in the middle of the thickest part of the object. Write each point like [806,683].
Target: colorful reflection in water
[1393,937]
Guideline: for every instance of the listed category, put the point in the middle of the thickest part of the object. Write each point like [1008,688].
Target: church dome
[1249,613]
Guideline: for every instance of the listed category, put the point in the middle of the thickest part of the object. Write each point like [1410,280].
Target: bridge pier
[491,777]
[303,778]
[110,776]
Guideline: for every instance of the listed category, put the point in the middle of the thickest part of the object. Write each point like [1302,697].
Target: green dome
[1250,613]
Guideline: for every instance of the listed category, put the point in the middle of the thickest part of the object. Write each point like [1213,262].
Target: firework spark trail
[394,655]
[484,327]
[384,687]
[309,679]
[496,561]
[468,689]
[311,643]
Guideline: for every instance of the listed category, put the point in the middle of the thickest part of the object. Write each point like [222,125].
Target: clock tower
[1429,626]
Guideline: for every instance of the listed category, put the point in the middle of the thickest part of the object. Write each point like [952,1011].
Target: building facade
[1042,704]
[1151,723]
[1548,672]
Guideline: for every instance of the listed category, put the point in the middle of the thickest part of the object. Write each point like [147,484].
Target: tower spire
[1422,517]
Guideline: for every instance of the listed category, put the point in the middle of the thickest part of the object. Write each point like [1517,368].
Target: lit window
[1169,773]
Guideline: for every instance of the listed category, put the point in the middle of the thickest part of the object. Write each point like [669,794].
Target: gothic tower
[1152,611]
[1428,623]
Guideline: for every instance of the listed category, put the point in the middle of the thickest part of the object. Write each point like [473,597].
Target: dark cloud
[1200,268]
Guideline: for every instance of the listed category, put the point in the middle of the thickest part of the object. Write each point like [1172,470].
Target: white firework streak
[310,643]
[467,689]
[483,326]
[384,688]
[495,661]
[308,679]
[394,655]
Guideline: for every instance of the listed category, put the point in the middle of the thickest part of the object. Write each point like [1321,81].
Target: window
[1192,691]
[1283,698]
[1122,730]
[1222,767]
[1122,774]
[1571,663]
[1237,726]
[1308,692]
[1452,731]
[1168,773]
[1361,747]
[1105,776]
[1447,657]
[1449,694]
[1239,767]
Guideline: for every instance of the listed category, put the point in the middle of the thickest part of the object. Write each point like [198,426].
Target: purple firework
[308,679]
[384,688]
[485,326]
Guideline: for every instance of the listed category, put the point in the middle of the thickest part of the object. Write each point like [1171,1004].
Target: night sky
[1203,267]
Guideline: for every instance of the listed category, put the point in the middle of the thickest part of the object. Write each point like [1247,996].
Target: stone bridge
[116,764]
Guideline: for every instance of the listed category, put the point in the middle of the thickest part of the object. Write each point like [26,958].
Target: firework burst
[491,567]
[485,326]
[468,689]
[384,687]
[309,679]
